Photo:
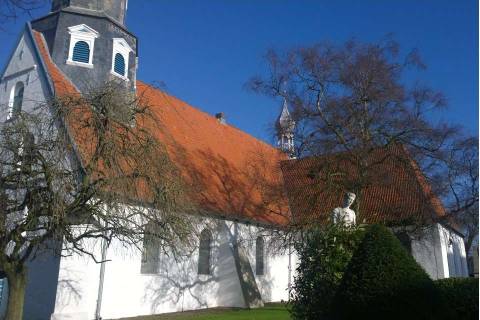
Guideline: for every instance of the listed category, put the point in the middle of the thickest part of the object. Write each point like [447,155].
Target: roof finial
[285,130]
[284,91]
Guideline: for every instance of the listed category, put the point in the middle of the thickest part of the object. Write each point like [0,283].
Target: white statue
[345,215]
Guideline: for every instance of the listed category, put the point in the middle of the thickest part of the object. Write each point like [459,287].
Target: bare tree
[352,99]
[13,9]
[88,161]
[457,181]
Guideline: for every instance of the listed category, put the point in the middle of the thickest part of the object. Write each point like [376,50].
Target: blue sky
[205,51]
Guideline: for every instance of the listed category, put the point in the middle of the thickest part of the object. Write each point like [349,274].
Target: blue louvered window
[81,52]
[119,65]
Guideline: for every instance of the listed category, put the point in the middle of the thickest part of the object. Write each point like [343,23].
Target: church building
[81,44]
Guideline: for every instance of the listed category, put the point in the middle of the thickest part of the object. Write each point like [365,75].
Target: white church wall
[427,251]
[440,252]
[42,275]
[176,286]
[453,247]
[77,285]
[25,67]
[274,283]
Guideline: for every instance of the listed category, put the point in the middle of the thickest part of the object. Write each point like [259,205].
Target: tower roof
[285,120]
[115,9]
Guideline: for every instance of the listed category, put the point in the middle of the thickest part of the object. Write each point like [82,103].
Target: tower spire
[285,131]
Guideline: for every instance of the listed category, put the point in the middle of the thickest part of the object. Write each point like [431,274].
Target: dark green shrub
[383,281]
[460,296]
[324,255]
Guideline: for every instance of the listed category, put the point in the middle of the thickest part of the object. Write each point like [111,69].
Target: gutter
[289,286]
[101,280]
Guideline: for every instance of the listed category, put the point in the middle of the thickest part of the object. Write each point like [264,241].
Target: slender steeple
[285,131]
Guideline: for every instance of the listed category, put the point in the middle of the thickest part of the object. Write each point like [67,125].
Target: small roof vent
[221,118]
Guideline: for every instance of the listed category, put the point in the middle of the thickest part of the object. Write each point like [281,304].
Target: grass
[271,311]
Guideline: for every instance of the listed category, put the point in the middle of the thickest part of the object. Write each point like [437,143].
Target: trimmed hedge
[324,255]
[460,296]
[383,281]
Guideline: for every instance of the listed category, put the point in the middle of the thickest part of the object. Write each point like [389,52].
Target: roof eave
[41,60]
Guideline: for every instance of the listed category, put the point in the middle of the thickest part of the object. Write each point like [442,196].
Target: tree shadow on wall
[248,191]
[179,287]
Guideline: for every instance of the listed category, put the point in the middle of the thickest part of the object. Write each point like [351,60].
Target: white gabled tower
[285,131]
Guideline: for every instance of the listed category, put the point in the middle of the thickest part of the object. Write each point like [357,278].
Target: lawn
[269,312]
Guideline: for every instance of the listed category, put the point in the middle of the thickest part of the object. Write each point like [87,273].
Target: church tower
[285,131]
[89,42]
[114,9]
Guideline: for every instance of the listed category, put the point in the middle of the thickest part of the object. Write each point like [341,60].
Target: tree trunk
[17,281]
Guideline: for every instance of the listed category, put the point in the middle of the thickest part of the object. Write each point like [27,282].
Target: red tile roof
[237,176]
[397,190]
[232,173]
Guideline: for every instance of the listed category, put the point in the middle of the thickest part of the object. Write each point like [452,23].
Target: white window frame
[10,102]
[121,46]
[78,33]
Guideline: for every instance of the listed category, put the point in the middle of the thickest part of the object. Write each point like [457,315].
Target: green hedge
[324,255]
[460,296]
[383,281]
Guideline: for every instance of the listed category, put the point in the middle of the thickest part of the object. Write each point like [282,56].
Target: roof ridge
[434,201]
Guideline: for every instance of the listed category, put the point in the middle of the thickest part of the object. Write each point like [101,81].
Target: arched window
[450,258]
[120,56]
[259,257]
[151,251]
[16,100]
[81,52]
[82,44]
[119,66]
[204,252]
